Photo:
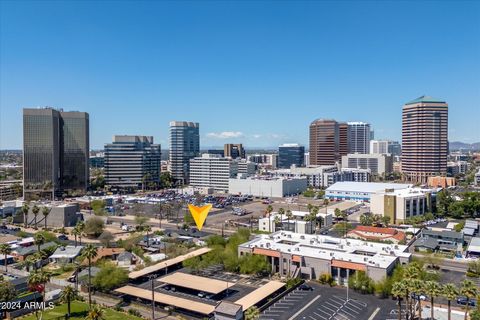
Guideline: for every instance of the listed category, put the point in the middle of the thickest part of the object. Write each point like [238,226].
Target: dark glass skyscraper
[55,152]
[184,145]
[291,154]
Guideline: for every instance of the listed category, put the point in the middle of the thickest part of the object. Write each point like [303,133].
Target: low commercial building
[347,175]
[401,204]
[435,241]
[359,191]
[296,223]
[477,178]
[315,175]
[369,233]
[473,250]
[61,215]
[309,256]
[379,164]
[227,310]
[441,182]
[267,186]
[457,167]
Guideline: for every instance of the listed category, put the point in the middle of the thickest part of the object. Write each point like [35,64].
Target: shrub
[326,278]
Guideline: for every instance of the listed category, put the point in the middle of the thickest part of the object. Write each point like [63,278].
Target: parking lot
[325,303]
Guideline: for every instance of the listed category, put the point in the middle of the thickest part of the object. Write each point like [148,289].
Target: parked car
[305,287]
[418,296]
[463,301]
[62,237]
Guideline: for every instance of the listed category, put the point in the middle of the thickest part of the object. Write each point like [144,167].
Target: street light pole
[152,278]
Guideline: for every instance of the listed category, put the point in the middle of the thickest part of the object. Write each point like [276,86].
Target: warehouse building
[267,186]
[359,191]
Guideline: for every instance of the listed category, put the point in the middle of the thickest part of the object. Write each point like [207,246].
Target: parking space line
[336,302]
[343,316]
[319,315]
[304,307]
[329,309]
[354,306]
[347,313]
[328,314]
[362,304]
[354,311]
[331,305]
[312,317]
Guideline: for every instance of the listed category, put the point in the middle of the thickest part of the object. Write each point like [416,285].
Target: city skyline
[259,84]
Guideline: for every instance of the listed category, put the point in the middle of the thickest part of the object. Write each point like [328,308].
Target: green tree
[253,264]
[281,212]
[76,233]
[289,216]
[252,313]
[39,239]
[81,228]
[37,281]
[7,290]
[105,238]
[89,252]
[444,200]
[95,313]
[140,221]
[470,291]
[5,250]
[94,226]
[45,212]
[166,180]
[450,292]
[98,207]
[68,294]
[109,277]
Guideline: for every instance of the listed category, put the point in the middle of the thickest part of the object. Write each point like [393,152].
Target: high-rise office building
[358,137]
[234,151]
[55,152]
[385,146]
[291,154]
[184,145]
[424,138]
[342,139]
[132,162]
[324,142]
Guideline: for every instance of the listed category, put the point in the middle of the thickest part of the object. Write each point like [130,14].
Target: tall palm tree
[76,233]
[89,253]
[268,211]
[81,227]
[314,214]
[433,289]
[398,291]
[147,229]
[25,210]
[470,291]
[45,212]
[252,313]
[68,294]
[35,211]
[5,250]
[325,203]
[39,240]
[37,281]
[281,212]
[289,216]
[95,313]
[418,286]
[450,292]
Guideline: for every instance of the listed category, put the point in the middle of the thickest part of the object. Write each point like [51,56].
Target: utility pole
[152,278]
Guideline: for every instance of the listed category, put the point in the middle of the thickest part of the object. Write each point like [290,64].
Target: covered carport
[197,283]
[260,294]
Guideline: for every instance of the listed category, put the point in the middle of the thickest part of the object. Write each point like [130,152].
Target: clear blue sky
[256,72]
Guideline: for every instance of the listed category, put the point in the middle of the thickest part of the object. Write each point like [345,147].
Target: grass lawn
[79,311]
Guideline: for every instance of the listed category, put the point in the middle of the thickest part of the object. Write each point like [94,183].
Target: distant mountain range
[457,145]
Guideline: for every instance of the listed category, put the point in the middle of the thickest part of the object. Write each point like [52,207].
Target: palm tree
[268,211]
[398,291]
[450,292]
[75,233]
[418,286]
[252,313]
[89,253]
[45,212]
[433,289]
[39,240]
[325,203]
[281,212]
[470,291]
[314,214]
[37,281]
[5,250]
[95,313]
[35,211]
[81,227]
[276,221]
[289,216]
[68,294]
[25,210]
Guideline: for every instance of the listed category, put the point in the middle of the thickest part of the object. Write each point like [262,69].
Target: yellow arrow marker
[199,214]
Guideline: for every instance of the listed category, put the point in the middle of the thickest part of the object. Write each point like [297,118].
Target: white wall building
[457,167]
[379,164]
[296,223]
[212,171]
[358,137]
[385,146]
[314,175]
[477,178]
[401,204]
[359,191]
[267,186]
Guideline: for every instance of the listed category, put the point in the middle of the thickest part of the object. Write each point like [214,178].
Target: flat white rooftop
[365,187]
[329,248]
